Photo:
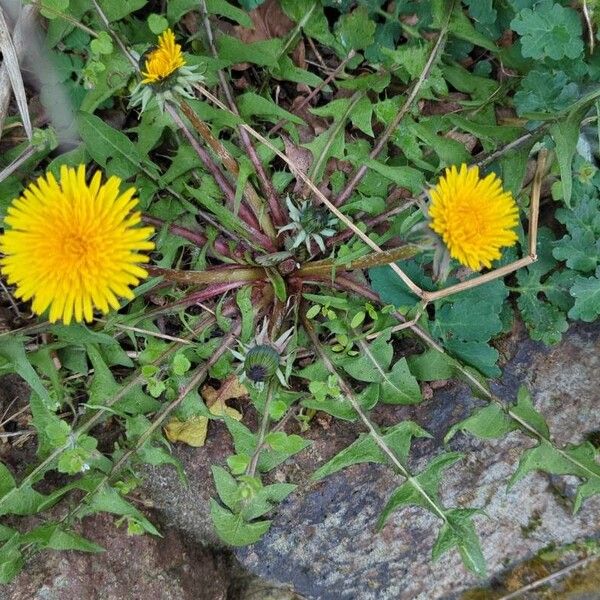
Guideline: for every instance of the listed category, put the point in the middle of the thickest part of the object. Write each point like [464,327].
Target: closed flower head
[474,217]
[164,60]
[72,247]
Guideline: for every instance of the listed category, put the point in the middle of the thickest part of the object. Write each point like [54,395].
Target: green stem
[262,432]
[198,377]
[216,275]
[255,202]
[374,259]
[523,425]
[393,124]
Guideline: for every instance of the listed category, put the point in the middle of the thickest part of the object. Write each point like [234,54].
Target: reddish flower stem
[203,155]
[344,283]
[221,180]
[210,292]
[196,237]
[277,211]
[255,203]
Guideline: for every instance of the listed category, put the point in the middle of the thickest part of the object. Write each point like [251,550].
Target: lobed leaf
[233,529]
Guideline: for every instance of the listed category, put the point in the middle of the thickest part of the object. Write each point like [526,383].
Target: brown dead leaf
[450,104]
[269,22]
[215,399]
[300,157]
[467,139]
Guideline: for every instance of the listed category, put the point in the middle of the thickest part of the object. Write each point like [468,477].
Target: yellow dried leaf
[219,408]
[191,432]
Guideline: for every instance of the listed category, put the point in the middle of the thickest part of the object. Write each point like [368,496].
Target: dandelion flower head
[72,247]
[164,60]
[474,216]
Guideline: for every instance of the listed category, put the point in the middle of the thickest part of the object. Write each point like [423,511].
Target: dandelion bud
[261,363]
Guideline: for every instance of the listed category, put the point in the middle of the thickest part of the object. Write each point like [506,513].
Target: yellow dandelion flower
[164,60]
[475,217]
[73,246]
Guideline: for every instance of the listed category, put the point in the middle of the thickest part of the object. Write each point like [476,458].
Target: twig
[480,280]
[15,433]
[534,208]
[32,329]
[300,175]
[72,20]
[194,382]
[412,96]
[370,223]
[317,54]
[517,264]
[251,222]
[114,35]
[15,164]
[159,419]
[483,159]
[333,134]
[12,303]
[95,418]
[202,154]
[588,16]
[156,334]
[350,285]
[16,414]
[539,582]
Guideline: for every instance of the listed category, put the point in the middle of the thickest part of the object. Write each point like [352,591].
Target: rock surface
[323,543]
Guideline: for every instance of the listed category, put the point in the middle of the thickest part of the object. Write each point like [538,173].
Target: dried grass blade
[11,63]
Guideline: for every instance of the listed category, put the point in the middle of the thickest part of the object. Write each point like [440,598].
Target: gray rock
[323,542]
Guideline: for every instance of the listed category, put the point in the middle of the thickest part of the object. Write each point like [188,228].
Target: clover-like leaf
[580,248]
[586,292]
[549,30]
[545,91]
[544,294]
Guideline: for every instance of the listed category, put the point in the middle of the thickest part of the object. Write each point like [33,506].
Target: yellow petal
[72,247]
